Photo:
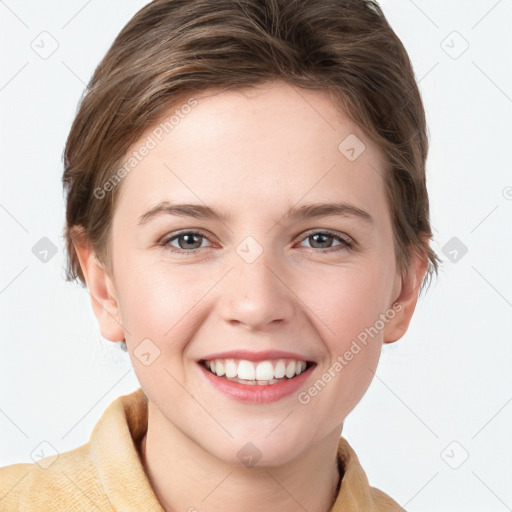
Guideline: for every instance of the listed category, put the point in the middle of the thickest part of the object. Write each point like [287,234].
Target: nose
[257,295]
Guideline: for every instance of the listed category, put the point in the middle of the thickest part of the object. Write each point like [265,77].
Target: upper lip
[249,355]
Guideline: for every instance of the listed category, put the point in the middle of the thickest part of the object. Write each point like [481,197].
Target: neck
[204,483]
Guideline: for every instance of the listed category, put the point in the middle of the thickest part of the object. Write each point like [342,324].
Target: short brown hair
[172,49]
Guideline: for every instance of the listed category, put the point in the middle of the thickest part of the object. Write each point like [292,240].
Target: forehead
[272,145]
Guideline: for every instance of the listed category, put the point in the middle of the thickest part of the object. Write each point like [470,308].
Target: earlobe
[101,289]
[405,303]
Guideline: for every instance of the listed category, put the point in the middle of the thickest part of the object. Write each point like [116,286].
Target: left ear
[405,304]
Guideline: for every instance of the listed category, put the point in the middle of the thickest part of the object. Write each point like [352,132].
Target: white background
[449,379]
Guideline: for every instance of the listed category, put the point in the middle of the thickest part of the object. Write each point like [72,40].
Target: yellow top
[107,474]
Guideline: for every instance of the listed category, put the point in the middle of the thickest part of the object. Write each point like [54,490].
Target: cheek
[349,311]
[159,302]
[348,301]
[161,313]
[357,304]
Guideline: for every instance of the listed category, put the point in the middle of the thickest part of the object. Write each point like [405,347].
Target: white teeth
[280,370]
[290,369]
[231,368]
[263,372]
[246,370]
[219,368]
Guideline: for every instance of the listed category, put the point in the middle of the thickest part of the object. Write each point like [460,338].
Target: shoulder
[104,474]
[11,478]
[355,492]
[67,481]
[383,502]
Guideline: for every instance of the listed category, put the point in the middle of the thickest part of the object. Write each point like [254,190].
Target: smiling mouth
[260,373]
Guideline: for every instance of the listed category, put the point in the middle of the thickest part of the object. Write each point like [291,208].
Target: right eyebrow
[196,211]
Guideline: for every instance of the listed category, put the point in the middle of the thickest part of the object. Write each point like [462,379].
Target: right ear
[101,289]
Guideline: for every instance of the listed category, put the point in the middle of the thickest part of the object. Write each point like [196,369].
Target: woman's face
[264,280]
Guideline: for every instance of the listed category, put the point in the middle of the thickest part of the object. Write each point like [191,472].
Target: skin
[253,154]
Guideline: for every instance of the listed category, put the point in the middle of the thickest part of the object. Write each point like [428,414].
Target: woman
[247,205]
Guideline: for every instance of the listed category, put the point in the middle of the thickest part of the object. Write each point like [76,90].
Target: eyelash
[345,244]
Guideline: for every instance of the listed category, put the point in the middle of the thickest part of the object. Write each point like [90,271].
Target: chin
[258,451]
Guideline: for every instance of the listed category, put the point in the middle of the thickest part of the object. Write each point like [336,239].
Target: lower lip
[254,393]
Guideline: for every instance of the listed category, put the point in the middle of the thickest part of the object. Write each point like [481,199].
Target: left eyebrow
[341,209]
[308,211]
